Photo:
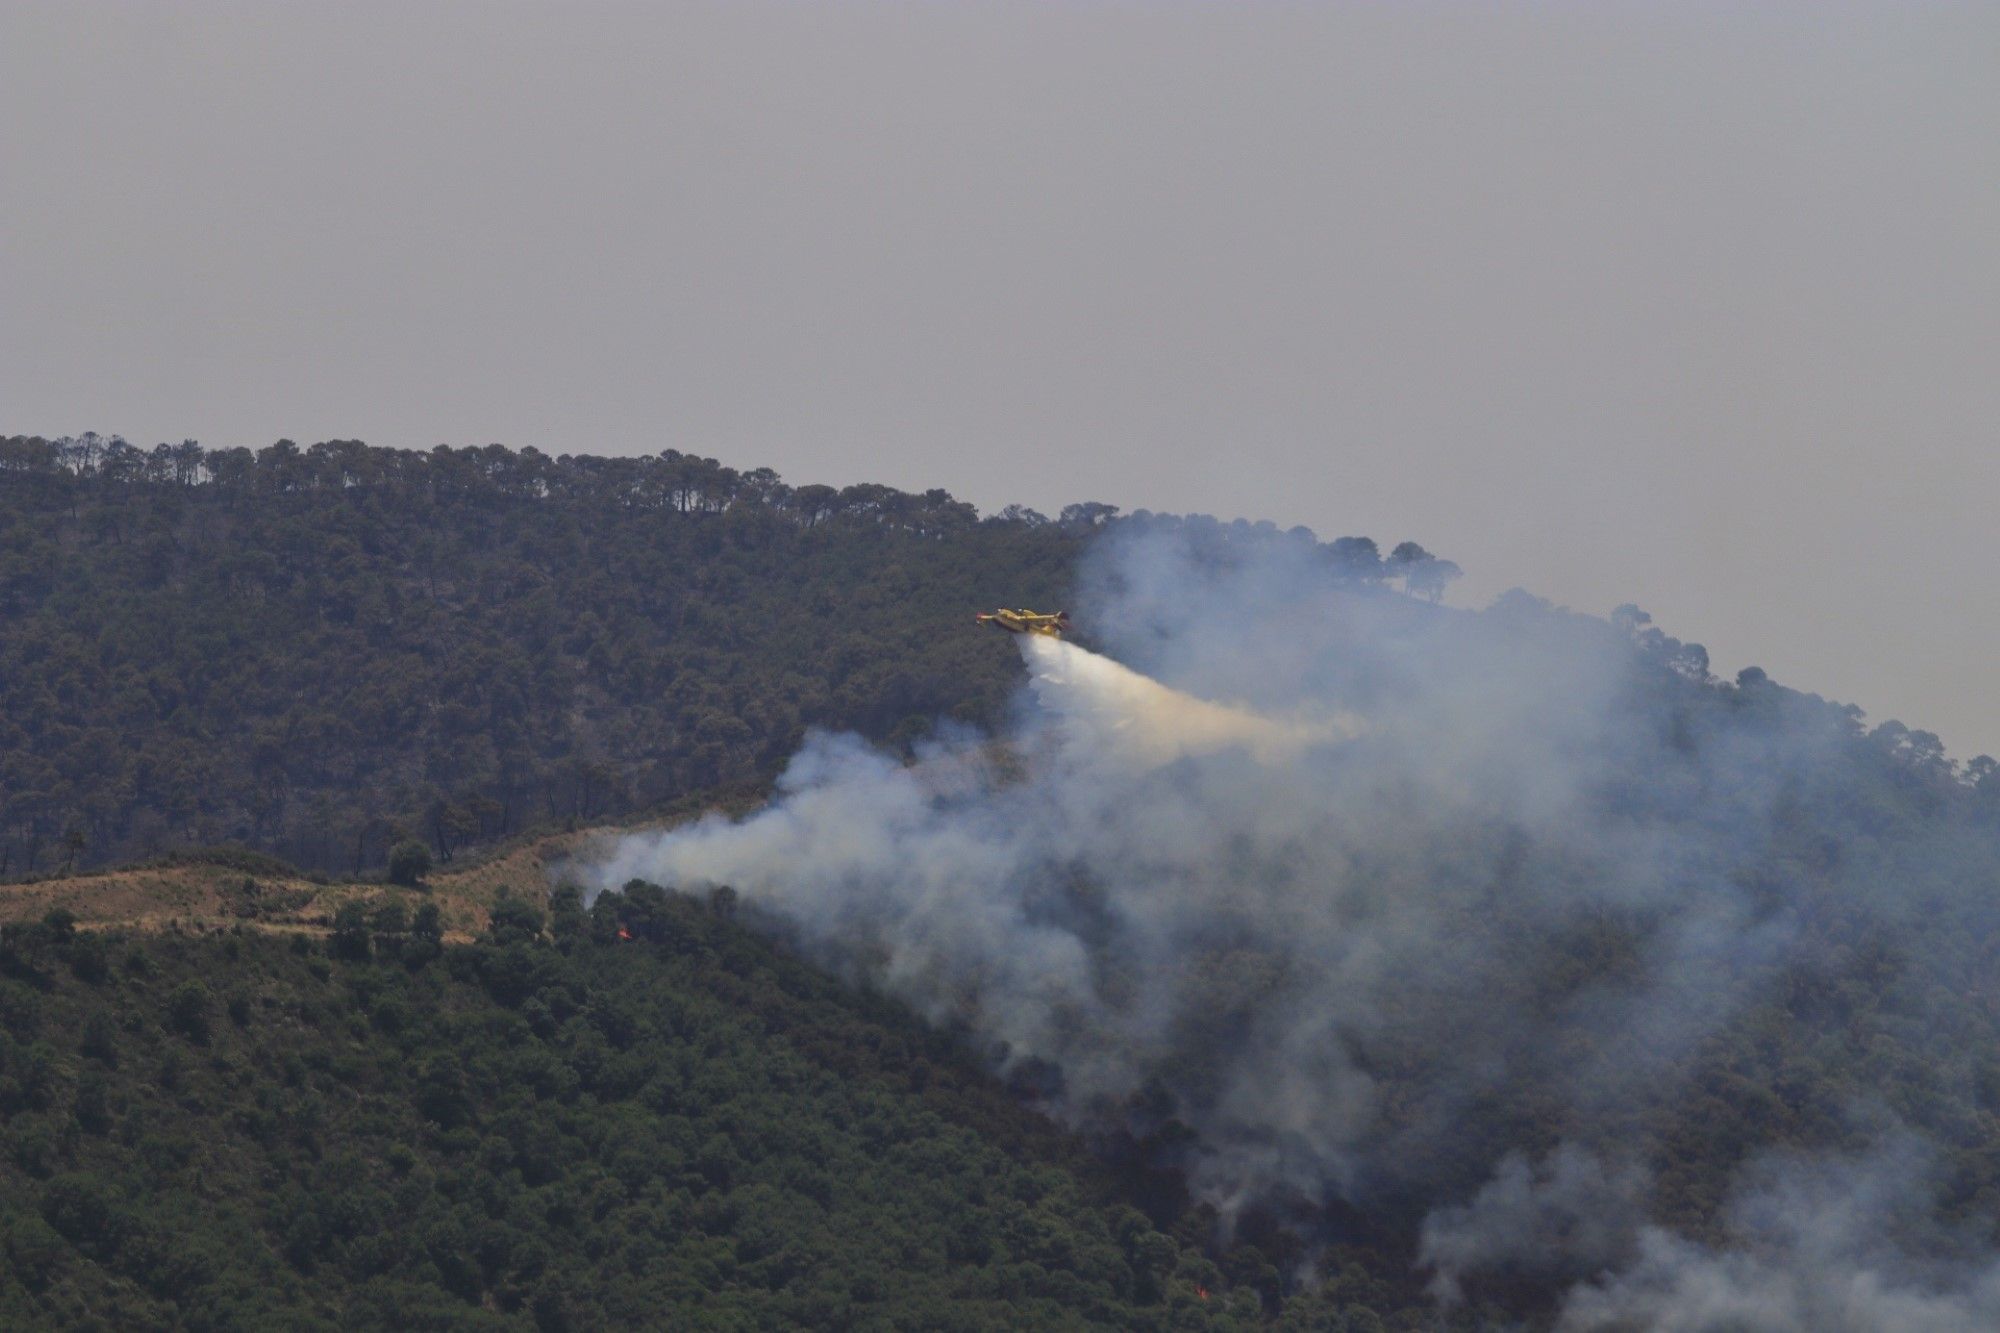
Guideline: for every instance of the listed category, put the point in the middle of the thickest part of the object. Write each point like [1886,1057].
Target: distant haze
[1688,305]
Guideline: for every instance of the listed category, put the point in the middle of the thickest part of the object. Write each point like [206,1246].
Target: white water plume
[1135,719]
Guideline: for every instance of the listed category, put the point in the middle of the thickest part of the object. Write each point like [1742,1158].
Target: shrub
[187,1010]
[409,862]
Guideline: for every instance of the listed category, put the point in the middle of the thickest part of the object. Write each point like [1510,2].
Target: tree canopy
[560,1127]
[321,652]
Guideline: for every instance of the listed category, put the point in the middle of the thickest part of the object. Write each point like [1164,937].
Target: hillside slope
[317,652]
[648,1117]
[232,890]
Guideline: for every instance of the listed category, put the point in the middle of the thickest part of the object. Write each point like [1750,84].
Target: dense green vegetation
[319,652]
[551,1129]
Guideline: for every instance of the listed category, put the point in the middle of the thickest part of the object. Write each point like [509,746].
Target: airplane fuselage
[1027,622]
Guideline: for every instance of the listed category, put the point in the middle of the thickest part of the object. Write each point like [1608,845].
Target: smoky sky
[1696,306]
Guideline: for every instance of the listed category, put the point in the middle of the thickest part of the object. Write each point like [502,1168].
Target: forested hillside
[321,651]
[638,1117]
[316,651]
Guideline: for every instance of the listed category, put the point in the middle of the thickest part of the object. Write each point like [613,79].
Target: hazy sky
[1693,305]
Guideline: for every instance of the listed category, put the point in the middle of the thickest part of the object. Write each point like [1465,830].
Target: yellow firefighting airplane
[1027,622]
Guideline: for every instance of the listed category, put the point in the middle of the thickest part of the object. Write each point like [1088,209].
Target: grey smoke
[1569,1215]
[1809,1252]
[1302,865]
[1808,1247]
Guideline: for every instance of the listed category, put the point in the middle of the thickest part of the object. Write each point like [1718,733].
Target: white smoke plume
[1568,1216]
[962,886]
[1311,875]
[1810,1252]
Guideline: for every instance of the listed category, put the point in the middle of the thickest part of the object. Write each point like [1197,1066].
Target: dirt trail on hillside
[204,897]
